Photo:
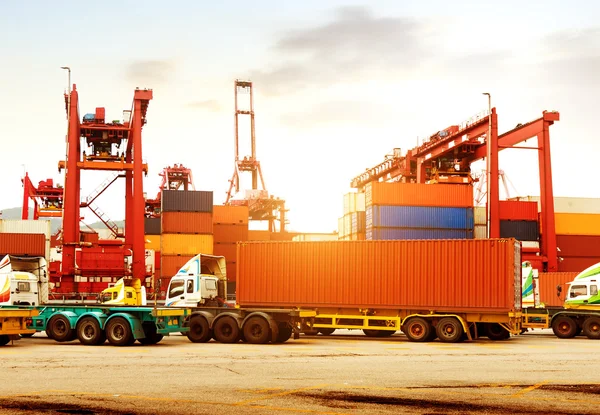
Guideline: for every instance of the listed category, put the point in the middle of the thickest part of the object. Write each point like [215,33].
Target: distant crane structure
[47,199]
[261,207]
[176,177]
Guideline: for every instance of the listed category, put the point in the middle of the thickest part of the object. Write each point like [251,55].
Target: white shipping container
[341,231]
[480,213]
[568,204]
[480,232]
[354,202]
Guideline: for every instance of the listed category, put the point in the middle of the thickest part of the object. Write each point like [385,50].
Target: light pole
[69,92]
[488,157]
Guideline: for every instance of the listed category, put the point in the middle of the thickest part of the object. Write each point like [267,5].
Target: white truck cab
[23,280]
[200,282]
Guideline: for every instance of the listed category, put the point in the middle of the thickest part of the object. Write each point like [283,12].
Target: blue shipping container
[404,233]
[420,217]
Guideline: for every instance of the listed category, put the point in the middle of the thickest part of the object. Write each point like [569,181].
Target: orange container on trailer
[234,215]
[187,222]
[547,285]
[425,275]
[230,233]
[416,194]
[30,244]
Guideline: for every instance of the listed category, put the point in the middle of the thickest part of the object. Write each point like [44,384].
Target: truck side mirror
[558,290]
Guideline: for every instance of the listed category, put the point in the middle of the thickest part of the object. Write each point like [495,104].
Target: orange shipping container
[548,282]
[226,249]
[414,194]
[186,244]
[259,235]
[428,275]
[170,264]
[30,244]
[233,215]
[187,222]
[231,271]
[230,233]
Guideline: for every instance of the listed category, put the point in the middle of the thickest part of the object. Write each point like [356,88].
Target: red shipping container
[428,275]
[231,271]
[187,222]
[226,249]
[547,285]
[516,210]
[576,264]
[230,233]
[29,244]
[157,260]
[578,245]
[233,215]
[171,264]
[416,194]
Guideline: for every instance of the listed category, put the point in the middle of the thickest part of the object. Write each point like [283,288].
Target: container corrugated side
[170,264]
[416,194]
[480,232]
[184,244]
[480,215]
[412,233]
[230,215]
[29,244]
[341,229]
[547,284]
[186,201]
[570,204]
[518,210]
[152,226]
[187,222]
[576,264]
[226,249]
[522,230]
[578,245]
[354,202]
[440,275]
[358,220]
[419,217]
[26,226]
[577,224]
[230,233]
[152,242]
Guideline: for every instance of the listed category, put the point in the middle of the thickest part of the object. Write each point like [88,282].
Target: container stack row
[396,211]
[352,226]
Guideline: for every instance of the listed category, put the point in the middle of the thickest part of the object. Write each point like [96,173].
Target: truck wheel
[59,329]
[285,332]
[151,336]
[591,328]
[449,330]
[311,332]
[4,339]
[226,330]
[118,332]
[326,331]
[564,327]
[27,335]
[387,333]
[495,331]
[417,329]
[257,330]
[199,332]
[89,332]
[371,333]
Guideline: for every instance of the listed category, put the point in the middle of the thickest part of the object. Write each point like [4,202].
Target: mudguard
[100,317]
[208,316]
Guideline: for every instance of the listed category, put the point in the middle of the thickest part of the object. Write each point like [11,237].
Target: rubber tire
[118,332]
[326,331]
[257,330]
[4,340]
[591,328]
[97,337]
[311,332]
[28,335]
[578,331]
[226,330]
[449,330]
[386,333]
[564,327]
[59,329]
[495,331]
[371,333]
[422,326]
[285,332]
[200,331]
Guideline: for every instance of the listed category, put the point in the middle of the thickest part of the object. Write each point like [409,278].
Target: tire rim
[60,327]
[564,327]
[118,332]
[257,330]
[89,331]
[417,330]
[226,330]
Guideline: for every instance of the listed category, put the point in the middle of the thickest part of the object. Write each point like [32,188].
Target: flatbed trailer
[94,324]
[565,322]
[13,324]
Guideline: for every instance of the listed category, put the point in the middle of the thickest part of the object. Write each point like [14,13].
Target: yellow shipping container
[577,223]
[152,242]
[186,244]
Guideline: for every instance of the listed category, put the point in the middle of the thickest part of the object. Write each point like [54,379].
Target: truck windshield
[210,284]
[176,288]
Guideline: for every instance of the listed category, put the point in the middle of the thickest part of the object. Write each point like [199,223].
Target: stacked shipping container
[419,211]
[351,226]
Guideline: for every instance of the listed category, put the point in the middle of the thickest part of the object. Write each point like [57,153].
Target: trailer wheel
[326,331]
[59,329]
[591,328]
[200,331]
[89,332]
[151,336]
[27,335]
[417,329]
[118,332]
[311,332]
[371,333]
[449,330]
[256,330]
[495,331]
[226,330]
[4,339]
[285,332]
[564,327]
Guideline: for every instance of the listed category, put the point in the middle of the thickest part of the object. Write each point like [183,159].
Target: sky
[337,85]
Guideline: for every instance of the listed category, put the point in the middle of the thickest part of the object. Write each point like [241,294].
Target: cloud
[209,104]
[149,73]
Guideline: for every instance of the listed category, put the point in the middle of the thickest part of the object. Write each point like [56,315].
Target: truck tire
[151,336]
[200,331]
[59,329]
[27,335]
[226,330]
[591,328]
[371,333]
[564,327]
[495,331]
[449,330]
[326,331]
[311,332]
[417,329]
[285,332]
[4,340]
[257,330]
[118,332]
[89,332]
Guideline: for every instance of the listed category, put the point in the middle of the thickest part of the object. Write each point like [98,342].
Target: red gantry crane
[47,199]
[173,178]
